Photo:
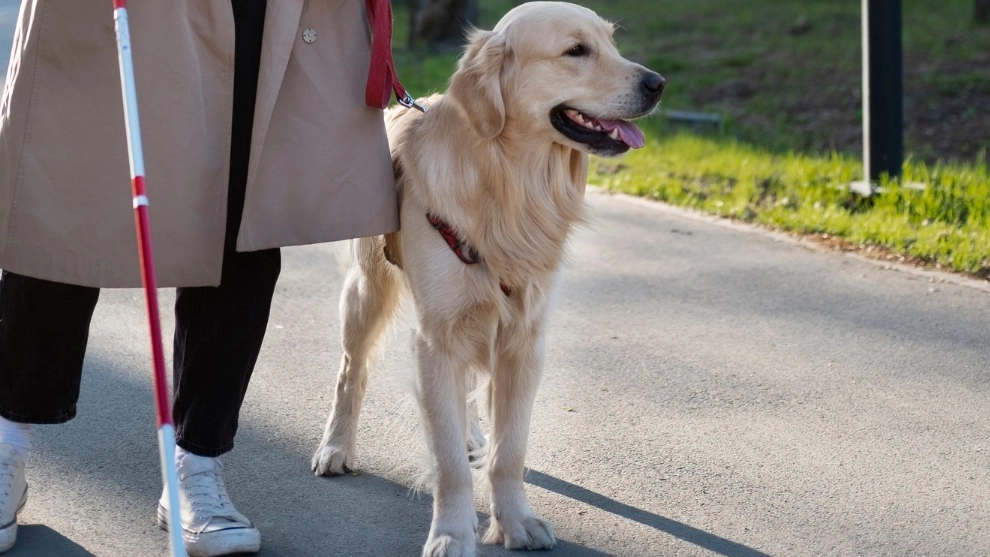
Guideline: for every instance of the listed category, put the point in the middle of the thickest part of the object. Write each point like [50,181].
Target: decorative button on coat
[309,35]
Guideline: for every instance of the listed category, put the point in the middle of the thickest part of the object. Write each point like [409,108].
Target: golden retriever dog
[492,180]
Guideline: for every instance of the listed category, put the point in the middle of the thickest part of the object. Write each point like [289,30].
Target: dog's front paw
[448,545]
[332,460]
[525,532]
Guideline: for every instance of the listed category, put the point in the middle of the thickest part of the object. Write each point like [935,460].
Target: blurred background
[761,120]
[785,74]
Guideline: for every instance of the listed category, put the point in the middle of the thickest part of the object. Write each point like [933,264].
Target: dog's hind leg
[371,294]
[476,440]
[514,382]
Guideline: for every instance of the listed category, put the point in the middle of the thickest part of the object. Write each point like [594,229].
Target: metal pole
[883,99]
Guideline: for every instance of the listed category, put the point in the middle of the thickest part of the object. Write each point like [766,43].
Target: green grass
[785,75]
[947,224]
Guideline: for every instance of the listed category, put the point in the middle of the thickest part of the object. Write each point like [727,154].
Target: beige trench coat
[319,172]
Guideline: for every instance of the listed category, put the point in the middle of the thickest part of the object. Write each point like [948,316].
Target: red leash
[382,79]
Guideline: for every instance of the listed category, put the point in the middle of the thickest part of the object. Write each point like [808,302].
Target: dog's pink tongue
[629,133]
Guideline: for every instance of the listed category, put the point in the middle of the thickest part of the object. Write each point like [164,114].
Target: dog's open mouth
[601,135]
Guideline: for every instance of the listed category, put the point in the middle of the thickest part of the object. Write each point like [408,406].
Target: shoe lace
[7,472]
[207,495]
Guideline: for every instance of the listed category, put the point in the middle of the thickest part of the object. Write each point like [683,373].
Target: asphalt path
[8,19]
[710,389]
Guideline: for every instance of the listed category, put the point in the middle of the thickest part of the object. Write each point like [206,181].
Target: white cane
[166,430]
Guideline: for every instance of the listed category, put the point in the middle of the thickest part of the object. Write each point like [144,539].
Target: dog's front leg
[453,532]
[514,382]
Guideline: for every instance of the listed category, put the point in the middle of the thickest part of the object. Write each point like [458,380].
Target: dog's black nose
[653,84]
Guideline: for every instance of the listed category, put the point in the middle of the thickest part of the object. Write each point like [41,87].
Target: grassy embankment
[785,76]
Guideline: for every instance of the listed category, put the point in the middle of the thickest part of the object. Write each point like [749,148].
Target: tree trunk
[981,11]
[441,24]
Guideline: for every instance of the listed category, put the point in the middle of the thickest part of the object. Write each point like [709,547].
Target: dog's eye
[577,50]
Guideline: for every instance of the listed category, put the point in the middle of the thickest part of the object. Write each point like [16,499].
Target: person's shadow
[37,540]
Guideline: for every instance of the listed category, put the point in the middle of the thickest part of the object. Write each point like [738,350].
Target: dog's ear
[476,85]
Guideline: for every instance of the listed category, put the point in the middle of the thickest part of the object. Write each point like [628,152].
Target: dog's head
[552,69]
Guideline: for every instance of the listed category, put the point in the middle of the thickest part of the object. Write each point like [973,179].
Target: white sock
[18,435]
[180,455]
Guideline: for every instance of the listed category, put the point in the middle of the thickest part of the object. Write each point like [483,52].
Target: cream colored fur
[485,158]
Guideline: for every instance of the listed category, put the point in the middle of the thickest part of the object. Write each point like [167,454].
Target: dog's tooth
[614,134]
[589,125]
[579,118]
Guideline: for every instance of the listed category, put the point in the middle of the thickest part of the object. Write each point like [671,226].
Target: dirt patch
[945,108]
[949,115]
[880,253]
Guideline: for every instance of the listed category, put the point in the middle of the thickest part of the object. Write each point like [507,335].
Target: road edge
[791,238]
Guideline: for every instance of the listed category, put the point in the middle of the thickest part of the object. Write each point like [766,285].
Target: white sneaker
[13,494]
[211,525]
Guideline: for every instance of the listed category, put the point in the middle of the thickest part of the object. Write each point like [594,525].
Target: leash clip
[409,102]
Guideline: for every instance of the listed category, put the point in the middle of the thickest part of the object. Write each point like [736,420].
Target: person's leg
[218,335]
[44,327]
[219,329]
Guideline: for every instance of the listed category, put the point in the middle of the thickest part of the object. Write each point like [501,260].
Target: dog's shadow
[298,513]
[700,538]
[391,522]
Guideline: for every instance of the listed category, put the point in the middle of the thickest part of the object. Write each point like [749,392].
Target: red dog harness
[467,254]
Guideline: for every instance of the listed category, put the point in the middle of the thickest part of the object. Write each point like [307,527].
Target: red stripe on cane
[146,256]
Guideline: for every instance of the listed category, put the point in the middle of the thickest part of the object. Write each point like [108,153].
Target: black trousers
[44,325]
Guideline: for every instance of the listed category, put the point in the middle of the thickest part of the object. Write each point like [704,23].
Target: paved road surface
[8,17]
[710,390]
